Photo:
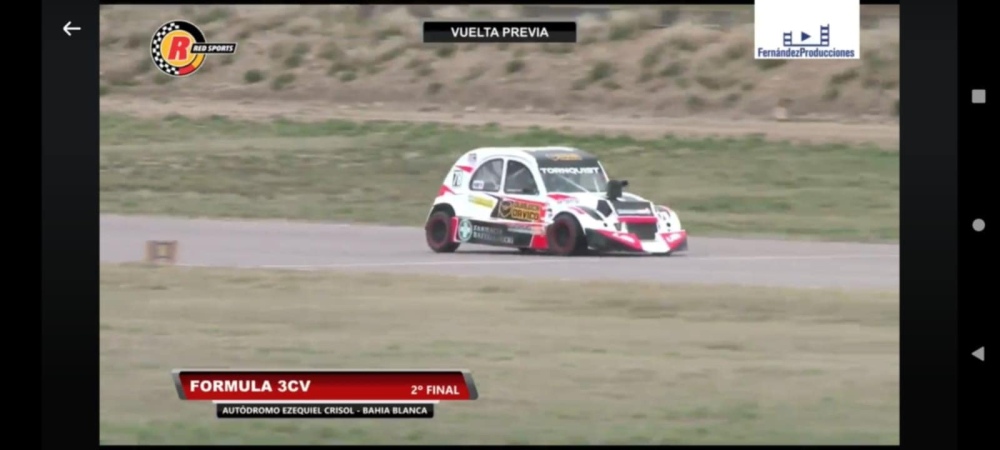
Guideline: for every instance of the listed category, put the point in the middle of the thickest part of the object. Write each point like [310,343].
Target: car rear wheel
[566,237]
[439,233]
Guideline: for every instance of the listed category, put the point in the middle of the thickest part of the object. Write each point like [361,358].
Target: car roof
[537,153]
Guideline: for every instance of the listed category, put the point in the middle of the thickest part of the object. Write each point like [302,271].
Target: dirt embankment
[630,62]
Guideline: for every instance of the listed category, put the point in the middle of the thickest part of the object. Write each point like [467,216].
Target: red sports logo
[179,48]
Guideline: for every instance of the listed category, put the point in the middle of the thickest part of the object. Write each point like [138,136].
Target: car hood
[627,201]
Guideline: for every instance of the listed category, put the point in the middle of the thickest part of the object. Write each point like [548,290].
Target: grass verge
[555,362]
[389,172]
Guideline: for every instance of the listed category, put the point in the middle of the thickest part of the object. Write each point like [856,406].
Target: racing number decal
[456,177]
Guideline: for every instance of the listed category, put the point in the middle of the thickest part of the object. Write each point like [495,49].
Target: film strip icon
[787,38]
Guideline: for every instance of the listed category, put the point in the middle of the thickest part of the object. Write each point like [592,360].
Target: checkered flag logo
[180,39]
[156,45]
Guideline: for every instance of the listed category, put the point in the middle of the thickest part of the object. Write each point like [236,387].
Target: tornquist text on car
[569,170]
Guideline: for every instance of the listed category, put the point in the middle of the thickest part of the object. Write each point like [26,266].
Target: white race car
[546,199]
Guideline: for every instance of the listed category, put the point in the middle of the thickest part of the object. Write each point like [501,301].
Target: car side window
[487,177]
[519,179]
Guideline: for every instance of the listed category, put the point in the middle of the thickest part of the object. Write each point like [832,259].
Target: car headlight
[665,218]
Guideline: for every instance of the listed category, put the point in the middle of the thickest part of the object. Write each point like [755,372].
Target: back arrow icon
[67,28]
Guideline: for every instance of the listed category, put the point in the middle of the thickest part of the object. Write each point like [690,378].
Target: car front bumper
[617,241]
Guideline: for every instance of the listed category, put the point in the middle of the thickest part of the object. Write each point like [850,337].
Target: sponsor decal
[635,212]
[472,159]
[464,230]
[483,233]
[519,229]
[478,184]
[633,208]
[534,230]
[569,170]
[524,212]
[481,201]
[565,157]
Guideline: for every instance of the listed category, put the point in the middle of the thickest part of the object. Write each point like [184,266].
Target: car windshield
[574,179]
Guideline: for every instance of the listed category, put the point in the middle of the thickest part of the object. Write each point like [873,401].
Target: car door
[485,189]
[521,201]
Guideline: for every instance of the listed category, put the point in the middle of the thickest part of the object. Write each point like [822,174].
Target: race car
[555,200]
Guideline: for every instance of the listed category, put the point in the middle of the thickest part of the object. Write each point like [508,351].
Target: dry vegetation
[706,365]
[647,61]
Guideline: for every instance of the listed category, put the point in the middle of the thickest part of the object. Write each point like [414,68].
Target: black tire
[438,231]
[566,237]
[526,250]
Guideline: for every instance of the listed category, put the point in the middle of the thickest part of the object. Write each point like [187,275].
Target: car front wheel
[566,237]
[439,233]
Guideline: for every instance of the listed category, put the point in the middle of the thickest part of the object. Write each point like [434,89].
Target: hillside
[631,61]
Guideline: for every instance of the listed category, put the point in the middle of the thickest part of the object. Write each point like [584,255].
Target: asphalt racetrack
[372,248]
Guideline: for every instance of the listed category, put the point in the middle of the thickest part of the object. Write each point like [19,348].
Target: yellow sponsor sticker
[481,201]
